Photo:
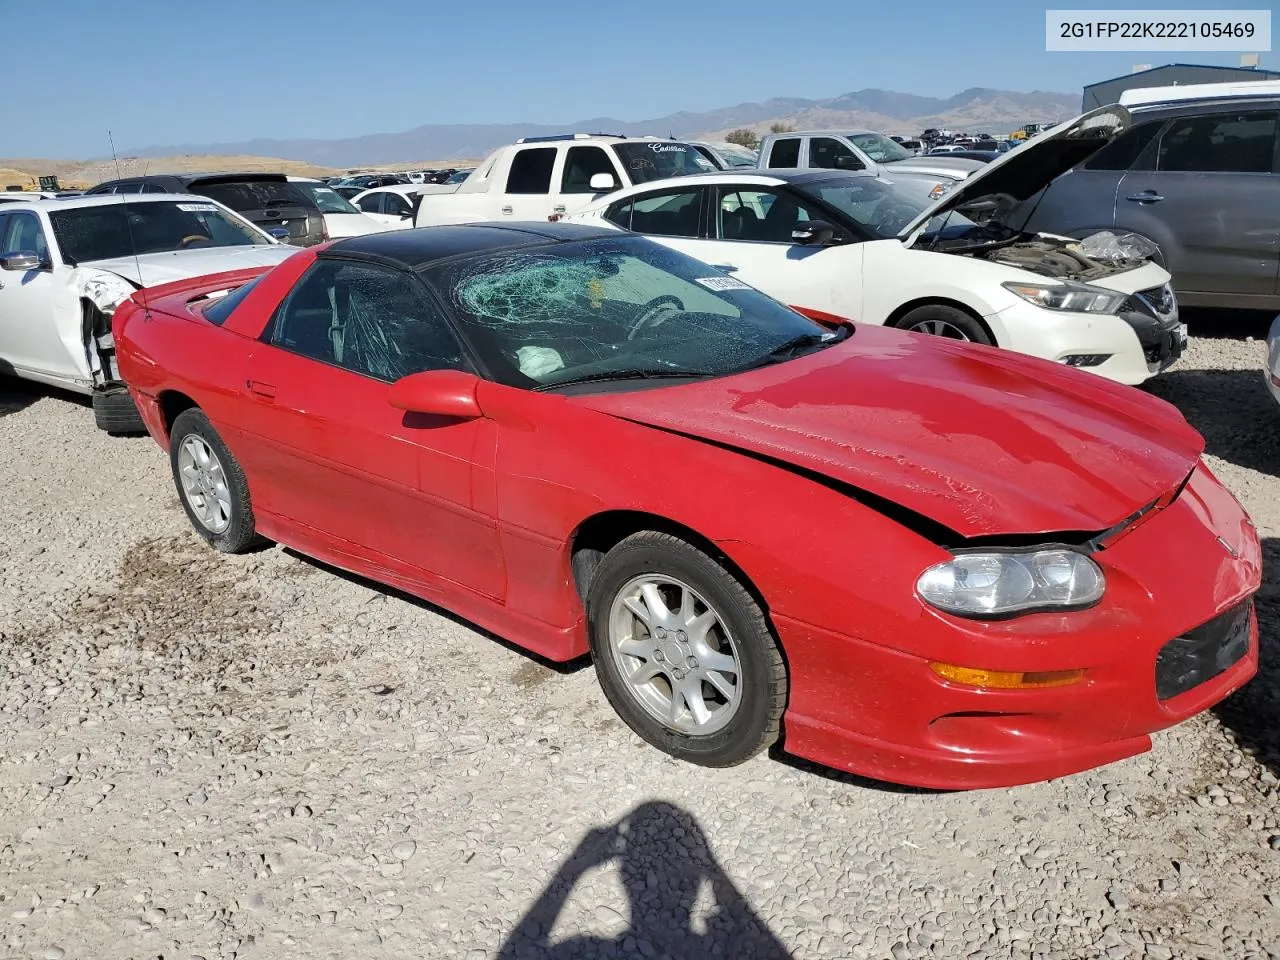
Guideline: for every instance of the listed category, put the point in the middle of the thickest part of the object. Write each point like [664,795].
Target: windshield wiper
[789,349]
[637,374]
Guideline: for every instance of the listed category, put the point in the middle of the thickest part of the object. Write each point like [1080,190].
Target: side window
[395,204]
[531,170]
[1219,143]
[669,214]
[785,152]
[620,213]
[707,155]
[23,234]
[370,320]
[371,203]
[153,188]
[830,154]
[759,216]
[134,187]
[1123,152]
[580,165]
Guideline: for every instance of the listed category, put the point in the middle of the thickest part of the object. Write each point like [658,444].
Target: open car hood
[1026,170]
[984,442]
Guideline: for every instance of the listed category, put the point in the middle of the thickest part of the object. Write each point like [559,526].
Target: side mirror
[813,233]
[407,215]
[847,162]
[439,393]
[21,261]
[602,183]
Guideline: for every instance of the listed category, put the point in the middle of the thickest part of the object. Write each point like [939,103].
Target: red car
[917,560]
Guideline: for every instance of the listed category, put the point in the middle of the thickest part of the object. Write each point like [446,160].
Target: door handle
[1146,196]
[265,390]
[507,210]
[558,208]
[726,267]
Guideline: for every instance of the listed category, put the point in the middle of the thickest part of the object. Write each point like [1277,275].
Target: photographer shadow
[667,870]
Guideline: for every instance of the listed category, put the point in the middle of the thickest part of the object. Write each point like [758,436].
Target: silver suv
[1202,179]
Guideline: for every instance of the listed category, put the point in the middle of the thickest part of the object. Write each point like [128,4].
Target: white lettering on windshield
[666,148]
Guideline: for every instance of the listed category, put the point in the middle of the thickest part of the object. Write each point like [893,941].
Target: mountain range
[977,110]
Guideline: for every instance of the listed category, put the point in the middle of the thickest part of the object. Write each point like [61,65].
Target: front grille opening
[1201,654]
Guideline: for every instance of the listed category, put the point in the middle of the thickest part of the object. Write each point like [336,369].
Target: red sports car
[914,559]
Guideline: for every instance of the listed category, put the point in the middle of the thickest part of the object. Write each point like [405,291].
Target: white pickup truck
[545,178]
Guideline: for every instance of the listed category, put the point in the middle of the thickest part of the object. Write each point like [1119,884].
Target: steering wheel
[190,239]
[649,313]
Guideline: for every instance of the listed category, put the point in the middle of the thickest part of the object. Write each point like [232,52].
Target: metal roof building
[1105,92]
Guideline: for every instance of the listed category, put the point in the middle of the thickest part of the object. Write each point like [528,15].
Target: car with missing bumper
[66,264]
[907,557]
[908,251]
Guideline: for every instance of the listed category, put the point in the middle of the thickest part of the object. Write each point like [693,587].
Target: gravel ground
[260,757]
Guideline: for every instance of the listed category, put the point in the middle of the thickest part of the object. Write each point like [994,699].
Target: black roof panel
[419,247]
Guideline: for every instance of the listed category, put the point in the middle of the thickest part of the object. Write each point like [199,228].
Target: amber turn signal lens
[1007,679]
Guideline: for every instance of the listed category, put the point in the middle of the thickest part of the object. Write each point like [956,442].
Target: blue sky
[166,73]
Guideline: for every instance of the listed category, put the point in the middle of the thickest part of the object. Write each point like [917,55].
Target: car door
[751,230]
[1210,198]
[325,449]
[29,338]
[578,165]
[528,188]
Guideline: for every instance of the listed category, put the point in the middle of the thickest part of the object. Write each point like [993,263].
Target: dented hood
[153,269]
[982,441]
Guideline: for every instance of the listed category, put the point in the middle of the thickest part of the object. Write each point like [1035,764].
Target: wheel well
[910,305]
[599,534]
[173,403]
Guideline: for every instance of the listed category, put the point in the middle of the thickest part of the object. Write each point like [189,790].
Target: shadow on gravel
[1232,408]
[1216,323]
[667,870]
[1253,714]
[573,666]
[16,395]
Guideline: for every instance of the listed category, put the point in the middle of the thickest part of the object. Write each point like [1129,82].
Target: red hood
[980,440]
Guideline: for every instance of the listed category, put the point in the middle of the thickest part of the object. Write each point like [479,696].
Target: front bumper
[1142,340]
[874,707]
[1272,372]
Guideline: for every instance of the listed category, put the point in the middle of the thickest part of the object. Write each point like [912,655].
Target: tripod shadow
[667,870]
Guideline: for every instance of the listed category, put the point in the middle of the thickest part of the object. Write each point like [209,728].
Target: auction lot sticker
[1180,31]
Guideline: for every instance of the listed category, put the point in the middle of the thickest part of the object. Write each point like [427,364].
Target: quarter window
[531,170]
[785,152]
[1220,143]
[370,320]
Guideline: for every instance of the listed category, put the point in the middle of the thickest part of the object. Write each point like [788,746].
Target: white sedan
[65,265]
[896,249]
[394,206]
[341,219]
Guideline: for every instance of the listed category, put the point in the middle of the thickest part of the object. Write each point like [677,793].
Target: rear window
[217,311]
[254,194]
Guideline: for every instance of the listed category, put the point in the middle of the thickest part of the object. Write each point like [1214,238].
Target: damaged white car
[902,249]
[66,264]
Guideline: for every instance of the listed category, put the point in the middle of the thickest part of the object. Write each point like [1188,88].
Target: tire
[738,633]
[115,412]
[938,319]
[218,505]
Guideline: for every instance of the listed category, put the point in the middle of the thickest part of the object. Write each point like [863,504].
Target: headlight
[990,585]
[1078,297]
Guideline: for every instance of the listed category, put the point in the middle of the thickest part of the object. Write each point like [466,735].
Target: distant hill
[975,110]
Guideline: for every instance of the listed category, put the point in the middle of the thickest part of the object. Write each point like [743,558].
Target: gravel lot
[260,757]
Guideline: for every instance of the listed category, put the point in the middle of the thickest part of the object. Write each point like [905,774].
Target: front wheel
[940,320]
[684,653]
[210,484]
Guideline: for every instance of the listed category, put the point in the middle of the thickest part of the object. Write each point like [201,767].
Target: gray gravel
[220,757]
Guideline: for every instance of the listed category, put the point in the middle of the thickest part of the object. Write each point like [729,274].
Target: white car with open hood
[942,258]
[65,265]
